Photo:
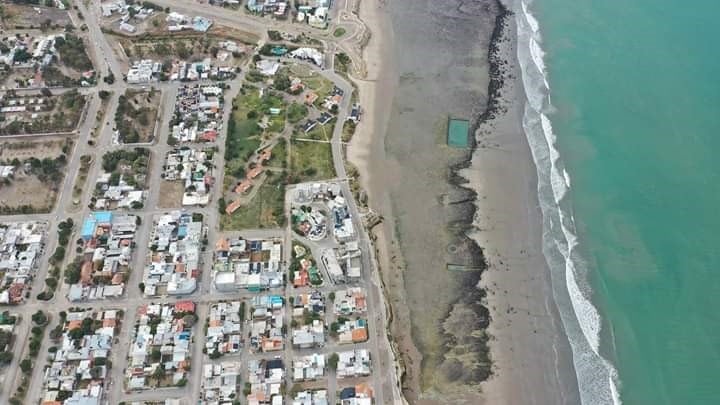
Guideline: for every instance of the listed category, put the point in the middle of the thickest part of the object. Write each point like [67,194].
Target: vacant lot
[38,172]
[310,161]
[136,115]
[171,194]
[41,113]
[48,147]
[73,62]
[244,132]
[265,210]
[19,16]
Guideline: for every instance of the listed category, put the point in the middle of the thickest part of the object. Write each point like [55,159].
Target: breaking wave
[597,378]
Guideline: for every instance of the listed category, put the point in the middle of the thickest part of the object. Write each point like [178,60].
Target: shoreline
[503,111]
[525,318]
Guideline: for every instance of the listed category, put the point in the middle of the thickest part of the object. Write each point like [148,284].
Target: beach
[432,197]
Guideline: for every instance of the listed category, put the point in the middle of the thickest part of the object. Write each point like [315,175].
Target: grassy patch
[319,133]
[342,63]
[135,115]
[296,112]
[73,52]
[348,131]
[339,31]
[266,210]
[311,161]
[85,161]
[244,133]
[279,154]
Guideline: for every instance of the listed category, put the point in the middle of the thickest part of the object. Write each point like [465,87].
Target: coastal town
[178,221]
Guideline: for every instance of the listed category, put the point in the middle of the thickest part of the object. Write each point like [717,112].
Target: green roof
[458,133]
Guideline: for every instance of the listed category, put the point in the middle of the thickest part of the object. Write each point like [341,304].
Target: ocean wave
[597,378]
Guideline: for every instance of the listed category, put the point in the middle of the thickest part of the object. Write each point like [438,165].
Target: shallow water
[441,62]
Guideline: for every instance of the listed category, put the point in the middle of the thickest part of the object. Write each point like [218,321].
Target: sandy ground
[531,354]
[531,358]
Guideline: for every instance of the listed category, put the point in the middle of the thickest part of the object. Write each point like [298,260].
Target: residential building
[308,368]
[266,379]
[175,253]
[220,383]
[224,327]
[192,167]
[354,363]
[78,368]
[160,347]
[249,264]
[21,247]
[266,323]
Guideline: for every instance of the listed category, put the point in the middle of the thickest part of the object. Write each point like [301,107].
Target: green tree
[39,318]
[332,361]
[26,366]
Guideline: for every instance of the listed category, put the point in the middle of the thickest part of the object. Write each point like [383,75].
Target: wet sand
[425,64]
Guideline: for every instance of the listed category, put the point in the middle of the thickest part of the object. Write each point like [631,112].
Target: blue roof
[88,228]
[347,393]
[182,231]
[103,216]
[276,299]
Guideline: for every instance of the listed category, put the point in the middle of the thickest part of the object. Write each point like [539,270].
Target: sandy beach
[409,179]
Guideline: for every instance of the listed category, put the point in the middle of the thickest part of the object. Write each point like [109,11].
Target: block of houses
[354,363]
[174,254]
[224,327]
[21,247]
[160,347]
[266,323]
[352,331]
[311,397]
[361,394]
[309,336]
[220,382]
[108,243]
[251,264]
[198,113]
[78,369]
[192,167]
[266,379]
[350,301]
[308,368]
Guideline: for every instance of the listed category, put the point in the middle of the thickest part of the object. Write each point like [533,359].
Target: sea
[623,120]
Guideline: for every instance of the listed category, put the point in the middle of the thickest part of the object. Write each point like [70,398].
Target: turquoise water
[635,100]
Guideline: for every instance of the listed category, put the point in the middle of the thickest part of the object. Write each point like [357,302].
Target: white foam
[591,368]
[530,18]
